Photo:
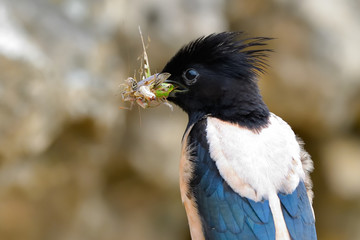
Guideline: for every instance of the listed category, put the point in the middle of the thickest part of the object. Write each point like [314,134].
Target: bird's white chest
[256,164]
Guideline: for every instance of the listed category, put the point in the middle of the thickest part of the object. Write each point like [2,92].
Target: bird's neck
[194,117]
[253,116]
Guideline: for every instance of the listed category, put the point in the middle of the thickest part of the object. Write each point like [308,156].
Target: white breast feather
[256,164]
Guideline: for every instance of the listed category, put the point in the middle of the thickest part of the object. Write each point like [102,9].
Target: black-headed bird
[243,173]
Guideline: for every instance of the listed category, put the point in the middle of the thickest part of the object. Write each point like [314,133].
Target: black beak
[179,88]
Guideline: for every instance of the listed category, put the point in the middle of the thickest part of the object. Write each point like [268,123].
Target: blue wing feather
[223,212]
[225,215]
[298,214]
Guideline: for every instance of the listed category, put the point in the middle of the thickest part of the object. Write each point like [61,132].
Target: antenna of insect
[169,105]
[139,116]
[146,65]
[125,108]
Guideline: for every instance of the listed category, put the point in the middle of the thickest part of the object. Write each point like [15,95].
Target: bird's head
[216,75]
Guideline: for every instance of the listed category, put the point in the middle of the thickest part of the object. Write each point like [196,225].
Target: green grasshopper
[151,91]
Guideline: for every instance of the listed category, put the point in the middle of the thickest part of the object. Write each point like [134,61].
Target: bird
[244,174]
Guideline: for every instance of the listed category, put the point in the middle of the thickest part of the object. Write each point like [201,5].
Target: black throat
[251,115]
[253,119]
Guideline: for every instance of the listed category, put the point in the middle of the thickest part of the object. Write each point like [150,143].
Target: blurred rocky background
[74,166]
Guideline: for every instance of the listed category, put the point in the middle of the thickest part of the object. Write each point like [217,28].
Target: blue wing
[225,215]
[298,215]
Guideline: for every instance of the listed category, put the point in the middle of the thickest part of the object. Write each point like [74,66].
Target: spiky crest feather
[225,49]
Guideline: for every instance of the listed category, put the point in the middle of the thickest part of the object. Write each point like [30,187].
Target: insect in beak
[151,90]
[178,87]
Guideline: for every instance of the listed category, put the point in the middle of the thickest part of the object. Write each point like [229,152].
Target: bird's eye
[190,76]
